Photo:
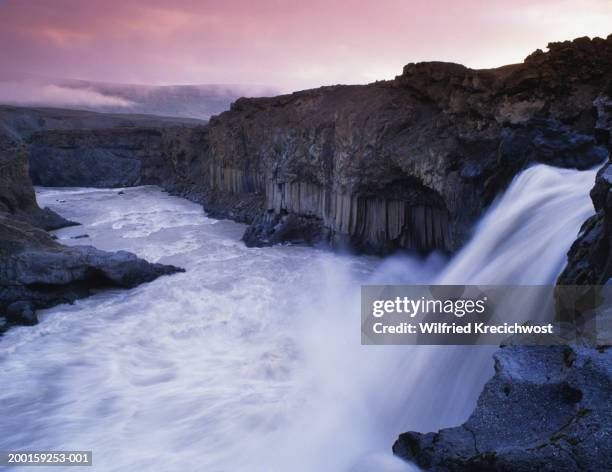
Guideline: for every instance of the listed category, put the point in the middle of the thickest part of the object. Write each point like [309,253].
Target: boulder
[545,409]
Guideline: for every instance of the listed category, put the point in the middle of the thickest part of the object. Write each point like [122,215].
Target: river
[251,359]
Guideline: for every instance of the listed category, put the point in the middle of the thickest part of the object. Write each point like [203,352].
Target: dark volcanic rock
[550,142]
[113,157]
[450,137]
[270,229]
[590,257]
[546,409]
[16,192]
[36,272]
[70,147]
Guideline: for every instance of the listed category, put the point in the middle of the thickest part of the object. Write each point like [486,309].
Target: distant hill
[187,101]
[17,122]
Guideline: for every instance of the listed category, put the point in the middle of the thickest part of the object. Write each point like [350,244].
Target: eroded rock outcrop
[546,409]
[590,257]
[17,196]
[35,271]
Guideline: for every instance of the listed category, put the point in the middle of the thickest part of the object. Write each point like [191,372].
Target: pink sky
[287,44]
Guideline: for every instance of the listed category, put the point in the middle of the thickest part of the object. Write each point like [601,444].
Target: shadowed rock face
[546,408]
[17,196]
[35,271]
[407,163]
[113,157]
[590,257]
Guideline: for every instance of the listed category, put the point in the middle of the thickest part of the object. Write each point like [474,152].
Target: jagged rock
[37,272]
[272,228]
[590,257]
[16,192]
[545,409]
[550,142]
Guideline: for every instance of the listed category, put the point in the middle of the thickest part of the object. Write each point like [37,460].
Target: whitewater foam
[251,360]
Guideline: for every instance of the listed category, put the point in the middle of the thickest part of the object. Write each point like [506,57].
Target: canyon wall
[407,163]
[35,271]
[410,162]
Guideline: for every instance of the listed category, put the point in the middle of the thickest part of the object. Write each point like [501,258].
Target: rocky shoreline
[37,272]
[545,409]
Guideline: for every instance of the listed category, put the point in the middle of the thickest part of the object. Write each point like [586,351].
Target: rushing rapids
[251,360]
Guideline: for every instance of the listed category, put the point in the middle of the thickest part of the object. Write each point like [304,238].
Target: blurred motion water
[251,360]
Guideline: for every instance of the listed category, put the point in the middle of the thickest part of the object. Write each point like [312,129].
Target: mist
[184,101]
[53,95]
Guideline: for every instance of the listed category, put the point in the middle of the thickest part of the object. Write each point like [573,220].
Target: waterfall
[522,239]
[251,360]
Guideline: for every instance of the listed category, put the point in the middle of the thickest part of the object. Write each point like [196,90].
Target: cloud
[41,94]
[289,44]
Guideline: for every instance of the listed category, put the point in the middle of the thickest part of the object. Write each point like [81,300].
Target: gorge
[490,168]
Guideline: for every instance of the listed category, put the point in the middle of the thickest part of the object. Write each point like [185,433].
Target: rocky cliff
[546,408]
[408,163]
[16,192]
[590,257]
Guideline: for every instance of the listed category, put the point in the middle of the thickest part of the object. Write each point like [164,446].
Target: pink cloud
[44,94]
[285,43]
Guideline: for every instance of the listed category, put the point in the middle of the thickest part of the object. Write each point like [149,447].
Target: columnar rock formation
[440,140]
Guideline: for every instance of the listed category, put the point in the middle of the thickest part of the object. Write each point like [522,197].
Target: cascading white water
[251,360]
